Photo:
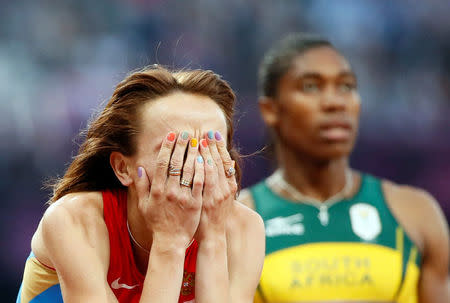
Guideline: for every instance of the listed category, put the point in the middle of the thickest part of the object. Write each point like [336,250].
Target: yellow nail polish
[194,142]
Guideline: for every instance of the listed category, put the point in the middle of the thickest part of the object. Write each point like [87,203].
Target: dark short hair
[278,59]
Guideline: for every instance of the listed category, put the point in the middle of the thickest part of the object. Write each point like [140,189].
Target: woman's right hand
[172,210]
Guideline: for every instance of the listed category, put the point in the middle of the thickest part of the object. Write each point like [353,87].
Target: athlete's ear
[269,111]
[120,165]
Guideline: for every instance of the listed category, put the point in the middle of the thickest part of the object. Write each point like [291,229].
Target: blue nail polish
[199,159]
[210,135]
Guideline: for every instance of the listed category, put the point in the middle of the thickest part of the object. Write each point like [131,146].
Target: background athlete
[333,233]
[146,210]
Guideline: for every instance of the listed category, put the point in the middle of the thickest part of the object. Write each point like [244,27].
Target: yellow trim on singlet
[36,279]
[408,292]
[399,239]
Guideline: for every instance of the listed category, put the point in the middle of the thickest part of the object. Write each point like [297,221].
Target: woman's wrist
[212,242]
[174,246]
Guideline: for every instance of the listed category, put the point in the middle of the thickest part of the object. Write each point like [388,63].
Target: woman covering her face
[334,233]
[146,211]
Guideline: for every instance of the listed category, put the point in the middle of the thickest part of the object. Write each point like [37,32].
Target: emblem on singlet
[290,225]
[188,285]
[365,221]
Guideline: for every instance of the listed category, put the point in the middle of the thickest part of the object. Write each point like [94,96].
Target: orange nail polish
[194,142]
[171,137]
[204,143]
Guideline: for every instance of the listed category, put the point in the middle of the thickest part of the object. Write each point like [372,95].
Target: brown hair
[116,126]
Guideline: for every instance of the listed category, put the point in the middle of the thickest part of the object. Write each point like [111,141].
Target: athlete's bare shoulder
[417,211]
[245,215]
[81,211]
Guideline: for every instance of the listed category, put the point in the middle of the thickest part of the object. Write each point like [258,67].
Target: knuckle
[198,182]
[207,205]
[227,194]
[188,170]
[183,199]
[142,207]
[175,162]
[172,195]
[167,144]
[156,192]
[227,161]
[219,197]
[162,163]
[209,168]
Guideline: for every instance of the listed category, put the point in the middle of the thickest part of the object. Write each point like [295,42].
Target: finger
[176,161]
[210,169]
[215,153]
[189,164]
[142,184]
[199,176]
[162,161]
[228,163]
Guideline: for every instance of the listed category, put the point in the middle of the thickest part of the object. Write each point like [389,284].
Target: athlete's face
[317,107]
[177,112]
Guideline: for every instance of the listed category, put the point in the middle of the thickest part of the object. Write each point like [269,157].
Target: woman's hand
[171,209]
[218,199]
[219,186]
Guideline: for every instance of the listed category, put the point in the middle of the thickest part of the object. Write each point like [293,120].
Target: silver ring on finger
[185,183]
[230,172]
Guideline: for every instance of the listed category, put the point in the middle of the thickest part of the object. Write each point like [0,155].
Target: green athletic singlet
[355,252]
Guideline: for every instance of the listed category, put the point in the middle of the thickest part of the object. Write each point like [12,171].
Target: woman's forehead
[183,112]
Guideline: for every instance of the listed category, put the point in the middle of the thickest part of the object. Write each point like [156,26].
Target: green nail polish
[209,162]
[185,135]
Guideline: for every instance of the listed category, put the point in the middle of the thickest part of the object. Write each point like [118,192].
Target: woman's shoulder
[75,213]
[79,208]
[245,223]
[410,205]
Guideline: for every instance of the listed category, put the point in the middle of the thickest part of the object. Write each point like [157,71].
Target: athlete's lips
[338,130]
[337,123]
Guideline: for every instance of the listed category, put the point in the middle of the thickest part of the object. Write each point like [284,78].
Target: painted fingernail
[210,135]
[200,159]
[140,172]
[171,136]
[204,143]
[194,142]
[233,163]
[218,136]
[184,135]
[210,162]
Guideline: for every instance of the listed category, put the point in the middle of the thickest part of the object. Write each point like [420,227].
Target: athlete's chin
[334,151]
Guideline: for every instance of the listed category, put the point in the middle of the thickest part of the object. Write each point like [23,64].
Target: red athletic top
[124,278]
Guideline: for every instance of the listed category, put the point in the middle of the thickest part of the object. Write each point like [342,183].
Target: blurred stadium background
[60,59]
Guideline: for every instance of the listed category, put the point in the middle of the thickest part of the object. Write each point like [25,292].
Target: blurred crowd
[60,60]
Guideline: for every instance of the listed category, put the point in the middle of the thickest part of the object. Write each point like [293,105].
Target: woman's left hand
[219,189]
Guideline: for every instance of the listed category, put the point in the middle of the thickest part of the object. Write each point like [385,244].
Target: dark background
[60,59]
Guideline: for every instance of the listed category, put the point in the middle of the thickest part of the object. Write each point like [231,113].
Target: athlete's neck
[139,231]
[315,178]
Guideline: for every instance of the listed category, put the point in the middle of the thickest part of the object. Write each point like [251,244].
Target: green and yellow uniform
[354,250]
